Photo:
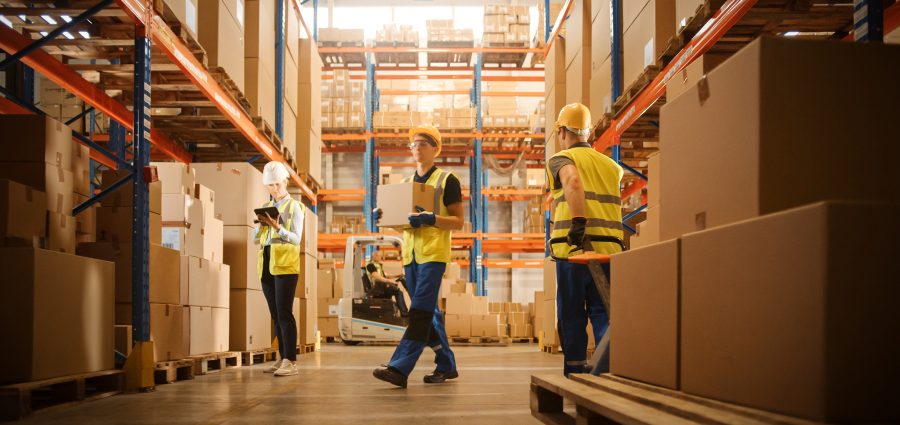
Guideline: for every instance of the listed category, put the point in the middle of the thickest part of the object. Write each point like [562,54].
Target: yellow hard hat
[428,130]
[576,118]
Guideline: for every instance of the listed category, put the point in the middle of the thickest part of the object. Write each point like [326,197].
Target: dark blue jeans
[577,300]
[279,291]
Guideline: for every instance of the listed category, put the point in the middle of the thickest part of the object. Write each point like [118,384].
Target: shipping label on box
[397,201]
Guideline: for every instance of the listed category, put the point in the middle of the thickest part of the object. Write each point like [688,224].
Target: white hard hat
[275,172]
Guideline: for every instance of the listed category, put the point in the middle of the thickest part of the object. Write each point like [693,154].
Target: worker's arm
[573,189]
[454,221]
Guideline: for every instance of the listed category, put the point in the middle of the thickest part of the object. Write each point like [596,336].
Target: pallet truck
[599,362]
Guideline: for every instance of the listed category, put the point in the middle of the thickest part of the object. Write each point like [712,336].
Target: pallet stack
[825,291]
[343,102]
[506,26]
[58,306]
[393,35]
[441,33]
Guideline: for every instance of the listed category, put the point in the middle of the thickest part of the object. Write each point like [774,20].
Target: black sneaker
[390,375]
[439,378]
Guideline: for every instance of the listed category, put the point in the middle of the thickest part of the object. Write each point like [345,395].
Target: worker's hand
[576,232]
[377,213]
[425,218]
[267,220]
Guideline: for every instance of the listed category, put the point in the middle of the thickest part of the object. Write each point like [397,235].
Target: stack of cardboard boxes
[341,36]
[343,102]
[61,303]
[538,120]
[600,91]
[220,31]
[452,118]
[555,9]
[578,54]
[506,25]
[762,296]
[649,25]
[306,303]
[534,212]
[341,224]
[307,145]
[503,112]
[259,60]
[239,190]
[393,34]
[329,292]
[555,91]
[442,31]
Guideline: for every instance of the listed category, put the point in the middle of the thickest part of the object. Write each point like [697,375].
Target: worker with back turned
[584,184]
[426,252]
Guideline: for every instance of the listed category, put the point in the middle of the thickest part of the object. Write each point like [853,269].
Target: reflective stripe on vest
[429,243]
[600,177]
[284,257]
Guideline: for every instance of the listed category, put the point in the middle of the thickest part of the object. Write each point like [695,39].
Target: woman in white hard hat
[279,263]
[426,252]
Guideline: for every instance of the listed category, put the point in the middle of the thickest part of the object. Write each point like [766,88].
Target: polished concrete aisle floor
[335,386]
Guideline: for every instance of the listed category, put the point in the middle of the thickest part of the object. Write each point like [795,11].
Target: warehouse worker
[383,285]
[426,252]
[279,263]
[584,184]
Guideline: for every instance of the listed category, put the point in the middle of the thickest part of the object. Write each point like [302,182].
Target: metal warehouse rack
[165,61]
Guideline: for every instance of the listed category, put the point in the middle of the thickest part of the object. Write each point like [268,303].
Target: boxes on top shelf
[221,33]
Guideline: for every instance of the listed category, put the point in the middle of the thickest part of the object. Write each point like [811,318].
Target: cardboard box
[762,143]
[458,325]
[85,222]
[185,11]
[653,167]
[578,30]
[688,77]
[213,240]
[56,182]
[517,318]
[62,303]
[200,339]
[648,230]
[123,338]
[325,284]
[259,31]
[646,39]
[61,232]
[555,65]
[81,169]
[631,10]
[41,139]
[198,281]
[239,189]
[452,271]
[23,211]
[260,91]
[207,198]
[485,325]
[291,81]
[250,327]
[168,331]
[310,237]
[292,34]
[549,279]
[578,78]
[783,343]
[166,272]
[328,327]
[307,320]
[242,255]
[163,270]
[684,11]
[601,89]
[222,36]
[306,283]
[219,285]
[459,304]
[115,224]
[480,305]
[646,317]
[175,177]
[328,307]
[124,196]
[397,201]
[220,333]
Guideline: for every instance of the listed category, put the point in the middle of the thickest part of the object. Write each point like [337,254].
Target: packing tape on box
[703,89]
[59,159]
[59,203]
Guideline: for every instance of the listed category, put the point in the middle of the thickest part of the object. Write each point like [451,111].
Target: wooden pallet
[250,358]
[173,371]
[269,131]
[20,400]
[550,349]
[162,9]
[449,59]
[343,59]
[406,59]
[231,87]
[501,60]
[521,340]
[633,90]
[482,341]
[607,398]
[215,362]
[306,349]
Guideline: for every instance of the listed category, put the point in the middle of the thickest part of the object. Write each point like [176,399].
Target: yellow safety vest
[429,243]
[379,271]
[601,177]
[284,258]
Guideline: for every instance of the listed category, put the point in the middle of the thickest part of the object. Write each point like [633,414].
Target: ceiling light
[84,34]
[6,21]
[792,33]
[43,33]
[23,18]
[66,18]
[69,35]
[48,19]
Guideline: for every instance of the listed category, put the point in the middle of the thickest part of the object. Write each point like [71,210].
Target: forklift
[363,316]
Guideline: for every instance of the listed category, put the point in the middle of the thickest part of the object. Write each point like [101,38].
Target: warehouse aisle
[335,386]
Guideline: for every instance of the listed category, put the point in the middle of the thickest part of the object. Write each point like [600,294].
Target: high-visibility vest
[600,177]
[429,243]
[284,258]
[379,271]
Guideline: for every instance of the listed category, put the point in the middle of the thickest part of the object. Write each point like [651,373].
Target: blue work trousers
[426,322]
[577,299]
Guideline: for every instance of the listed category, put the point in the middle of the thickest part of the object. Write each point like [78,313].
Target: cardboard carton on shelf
[62,303]
[23,211]
[165,271]
[222,36]
[458,325]
[48,140]
[168,331]
[200,338]
[220,331]
[55,181]
[250,326]
[647,37]
[124,196]
[175,178]
[397,201]
[238,187]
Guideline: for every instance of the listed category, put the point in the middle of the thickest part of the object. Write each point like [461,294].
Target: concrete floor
[335,386]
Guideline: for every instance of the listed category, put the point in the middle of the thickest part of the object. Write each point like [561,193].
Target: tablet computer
[272,211]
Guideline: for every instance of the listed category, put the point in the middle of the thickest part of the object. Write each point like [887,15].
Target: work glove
[377,213]
[576,232]
[422,218]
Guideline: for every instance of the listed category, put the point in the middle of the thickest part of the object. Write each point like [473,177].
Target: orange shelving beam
[373,49]
[365,135]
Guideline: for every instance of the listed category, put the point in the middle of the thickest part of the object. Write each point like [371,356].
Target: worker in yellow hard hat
[426,252]
[586,209]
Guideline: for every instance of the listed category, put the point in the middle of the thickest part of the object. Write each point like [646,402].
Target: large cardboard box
[601,32]
[198,281]
[115,224]
[220,318]
[486,325]
[291,82]
[601,89]
[684,11]
[239,189]
[690,75]
[647,37]
[181,210]
[39,139]
[646,317]
[578,30]
[54,304]
[250,327]
[458,324]
[81,169]
[307,320]
[168,331]
[328,327]
[809,336]
[219,285]
[310,239]
[459,304]
[185,11]
[747,108]
[325,283]
[309,153]
[292,33]
[306,282]
[222,36]
[56,182]
[397,201]
[175,177]
[200,339]
[164,270]
[260,91]
[23,211]
[124,196]
[242,256]
[328,307]
[555,64]
[61,232]
[259,31]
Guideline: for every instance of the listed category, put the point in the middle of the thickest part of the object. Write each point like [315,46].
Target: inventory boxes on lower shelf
[250,326]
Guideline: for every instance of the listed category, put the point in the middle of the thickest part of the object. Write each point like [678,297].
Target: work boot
[390,375]
[287,368]
[275,366]
[439,377]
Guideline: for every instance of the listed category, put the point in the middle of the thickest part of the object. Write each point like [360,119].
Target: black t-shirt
[452,188]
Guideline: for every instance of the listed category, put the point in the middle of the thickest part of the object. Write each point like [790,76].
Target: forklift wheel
[351,342]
